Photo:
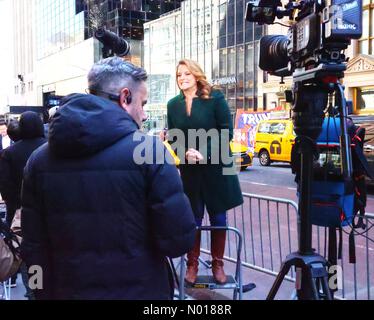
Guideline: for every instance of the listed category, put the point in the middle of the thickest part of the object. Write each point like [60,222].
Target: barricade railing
[5,290]
[357,279]
[270,232]
[235,283]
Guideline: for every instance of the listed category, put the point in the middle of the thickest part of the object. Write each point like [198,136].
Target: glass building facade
[64,30]
[214,33]
[64,23]
[57,26]
[238,52]
[124,17]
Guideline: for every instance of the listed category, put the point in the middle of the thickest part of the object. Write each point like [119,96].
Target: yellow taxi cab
[274,140]
[243,158]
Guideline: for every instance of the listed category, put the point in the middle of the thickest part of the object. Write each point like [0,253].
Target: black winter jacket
[13,159]
[99,224]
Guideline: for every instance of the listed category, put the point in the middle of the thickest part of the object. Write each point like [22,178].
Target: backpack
[341,200]
[10,259]
[336,201]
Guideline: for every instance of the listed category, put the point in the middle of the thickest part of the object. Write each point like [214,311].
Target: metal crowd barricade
[5,290]
[269,229]
[234,283]
[269,232]
[357,279]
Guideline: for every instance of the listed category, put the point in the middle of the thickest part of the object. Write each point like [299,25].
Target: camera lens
[273,52]
[109,39]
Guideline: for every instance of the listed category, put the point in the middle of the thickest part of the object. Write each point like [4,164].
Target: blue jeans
[216,220]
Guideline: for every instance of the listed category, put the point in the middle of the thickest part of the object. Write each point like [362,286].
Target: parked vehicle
[274,140]
[243,158]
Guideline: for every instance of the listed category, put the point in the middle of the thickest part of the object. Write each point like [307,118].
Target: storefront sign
[224,81]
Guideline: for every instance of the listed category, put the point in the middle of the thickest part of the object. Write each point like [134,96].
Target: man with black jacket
[13,160]
[99,224]
[30,135]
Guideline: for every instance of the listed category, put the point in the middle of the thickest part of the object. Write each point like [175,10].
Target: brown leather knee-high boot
[193,260]
[218,249]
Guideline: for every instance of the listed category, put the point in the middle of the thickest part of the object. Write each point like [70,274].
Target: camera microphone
[109,39]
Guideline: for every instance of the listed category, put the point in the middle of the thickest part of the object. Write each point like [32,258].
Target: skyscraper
[124,17]
[64,30]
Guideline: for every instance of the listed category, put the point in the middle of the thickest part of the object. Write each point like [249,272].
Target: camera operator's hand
[193,156]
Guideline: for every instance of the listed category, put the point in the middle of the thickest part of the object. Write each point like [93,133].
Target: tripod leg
[308,287]
[318,279]
[314,287]
[278,281]
[326,289]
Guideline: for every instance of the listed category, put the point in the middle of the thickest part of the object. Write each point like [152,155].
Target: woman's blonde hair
[203,87]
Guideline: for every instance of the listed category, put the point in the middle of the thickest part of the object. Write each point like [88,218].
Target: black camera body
[318,34]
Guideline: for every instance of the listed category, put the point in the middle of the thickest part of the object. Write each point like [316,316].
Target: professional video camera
[113,44]
[313,53]
[317,35]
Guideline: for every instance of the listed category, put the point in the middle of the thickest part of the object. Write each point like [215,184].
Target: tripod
[311,92]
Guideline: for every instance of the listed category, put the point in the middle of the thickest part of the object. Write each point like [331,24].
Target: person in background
[13,159]
[199,106]
[4,138]
[51,113]
[100,223]
[13,131]
[12,162]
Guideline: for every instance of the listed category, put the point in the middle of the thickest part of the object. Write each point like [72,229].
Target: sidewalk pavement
[262,281]
[18,292]
[263,284]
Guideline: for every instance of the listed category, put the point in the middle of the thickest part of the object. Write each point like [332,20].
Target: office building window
[58,26]
[214,33]
[366,43]
[364,99]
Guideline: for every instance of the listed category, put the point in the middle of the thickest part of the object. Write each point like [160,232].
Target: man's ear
[125,97]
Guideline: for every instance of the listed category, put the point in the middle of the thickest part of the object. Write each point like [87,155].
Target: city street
[277,181]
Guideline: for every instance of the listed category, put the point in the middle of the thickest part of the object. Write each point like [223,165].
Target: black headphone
[113,97]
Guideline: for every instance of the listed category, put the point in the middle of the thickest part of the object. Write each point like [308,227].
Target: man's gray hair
[112,74]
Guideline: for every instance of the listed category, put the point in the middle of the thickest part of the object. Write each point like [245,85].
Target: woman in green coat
[207,171]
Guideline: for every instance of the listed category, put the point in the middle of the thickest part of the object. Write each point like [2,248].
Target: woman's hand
[193,156]
[163,135]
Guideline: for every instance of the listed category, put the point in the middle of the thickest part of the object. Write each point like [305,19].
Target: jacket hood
[85,124]
[30,125]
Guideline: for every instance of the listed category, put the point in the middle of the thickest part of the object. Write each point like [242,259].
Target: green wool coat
[206,181]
